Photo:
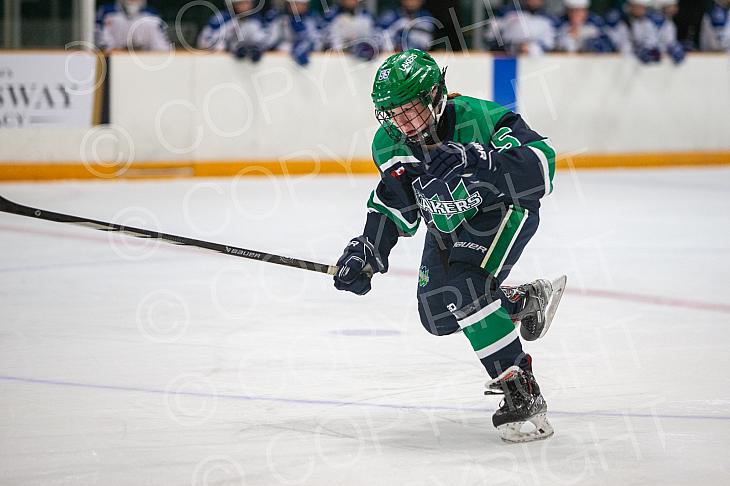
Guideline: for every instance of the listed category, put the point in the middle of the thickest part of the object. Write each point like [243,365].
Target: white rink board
[212,108]
[127,363]
[614,104]
[221,109]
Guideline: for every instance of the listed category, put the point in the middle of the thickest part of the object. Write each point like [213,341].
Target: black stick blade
[5,204]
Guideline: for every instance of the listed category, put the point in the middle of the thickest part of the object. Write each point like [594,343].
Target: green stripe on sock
[489,330]
[503,241]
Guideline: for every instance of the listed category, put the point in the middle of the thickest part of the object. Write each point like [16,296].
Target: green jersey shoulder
[476,119]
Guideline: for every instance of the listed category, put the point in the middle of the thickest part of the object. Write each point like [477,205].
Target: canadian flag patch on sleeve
[398,172]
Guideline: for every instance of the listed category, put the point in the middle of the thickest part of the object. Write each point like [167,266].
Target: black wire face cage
[421,111]
[431,106]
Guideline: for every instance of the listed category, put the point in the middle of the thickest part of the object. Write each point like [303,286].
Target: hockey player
[130,24]
[243,31]
[297,31]
[211,37]
[715,32]
[528,29]
[580,30]
[474,172]
[408,27]
[667,8]
[351,28]
[642,31]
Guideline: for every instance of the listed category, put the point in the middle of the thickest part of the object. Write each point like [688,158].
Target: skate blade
[514,432]
[552,307]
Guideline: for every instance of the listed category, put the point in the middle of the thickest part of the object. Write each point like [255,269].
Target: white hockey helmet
[641,3]
[577,3]
[141,3]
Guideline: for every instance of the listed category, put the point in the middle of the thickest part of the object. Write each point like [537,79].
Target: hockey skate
[522,415]
[540,300]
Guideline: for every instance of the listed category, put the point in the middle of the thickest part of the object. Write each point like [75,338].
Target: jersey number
[502,140]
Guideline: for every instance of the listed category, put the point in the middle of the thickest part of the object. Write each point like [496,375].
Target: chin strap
[441,106]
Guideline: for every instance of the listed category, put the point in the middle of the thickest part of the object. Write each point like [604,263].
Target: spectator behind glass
[528,29]
[638,29]
[297,31]
[408,27]
[715,31]
[580,30]
[129,24]
[350,28]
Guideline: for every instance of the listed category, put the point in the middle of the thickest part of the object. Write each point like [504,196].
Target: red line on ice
[650,299]
[580,292]
[624,296]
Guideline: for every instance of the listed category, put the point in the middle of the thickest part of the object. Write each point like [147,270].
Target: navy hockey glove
[648,56]
[240,51]
[676,52]
[598,44]
[356,266]
[363,50]
[451,159]
[300,52]
[255,53]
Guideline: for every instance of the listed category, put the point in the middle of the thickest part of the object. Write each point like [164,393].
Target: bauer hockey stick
[8,206]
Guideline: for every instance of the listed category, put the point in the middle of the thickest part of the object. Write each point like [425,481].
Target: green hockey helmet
[403,78]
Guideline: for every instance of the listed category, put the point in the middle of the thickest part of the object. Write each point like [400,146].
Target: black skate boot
[539,301]
[522,404]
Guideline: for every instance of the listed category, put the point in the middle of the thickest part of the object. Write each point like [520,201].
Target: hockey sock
[485,322]
[494,339]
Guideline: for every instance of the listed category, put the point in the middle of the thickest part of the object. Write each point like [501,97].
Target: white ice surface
[127,362]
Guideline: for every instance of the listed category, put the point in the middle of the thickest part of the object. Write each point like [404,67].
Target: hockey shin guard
[479,313]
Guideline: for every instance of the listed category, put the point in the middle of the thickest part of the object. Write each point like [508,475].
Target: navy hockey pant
[461,273]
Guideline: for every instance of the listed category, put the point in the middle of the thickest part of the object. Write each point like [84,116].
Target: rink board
[207,114]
